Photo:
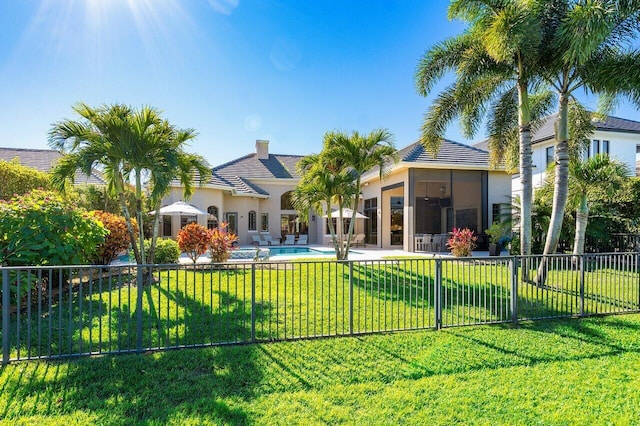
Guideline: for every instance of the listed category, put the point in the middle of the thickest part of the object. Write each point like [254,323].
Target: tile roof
[546,130]
[450,153]
[44,160]
[237,175]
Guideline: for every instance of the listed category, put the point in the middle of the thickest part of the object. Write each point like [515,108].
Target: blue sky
[234,70]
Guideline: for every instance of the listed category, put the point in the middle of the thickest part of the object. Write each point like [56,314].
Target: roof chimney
[262,149]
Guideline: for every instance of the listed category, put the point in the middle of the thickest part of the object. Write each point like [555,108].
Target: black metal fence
[82,310]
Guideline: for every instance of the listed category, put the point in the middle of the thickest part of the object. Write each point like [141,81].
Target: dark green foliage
[167,251]
[41,228]
[18,179]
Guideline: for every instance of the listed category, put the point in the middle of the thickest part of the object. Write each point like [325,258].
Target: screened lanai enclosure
[443,200]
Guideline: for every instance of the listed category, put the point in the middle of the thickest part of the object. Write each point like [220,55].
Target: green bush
[18,179]
[41,228]
[167,251]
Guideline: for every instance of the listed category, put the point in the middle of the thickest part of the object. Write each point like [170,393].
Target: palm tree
[324,183]
[168,161]
[493,59]
[601,173]
[126,145]
[584,49]
[359,154]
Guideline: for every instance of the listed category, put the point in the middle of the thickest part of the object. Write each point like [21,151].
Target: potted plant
[497,237]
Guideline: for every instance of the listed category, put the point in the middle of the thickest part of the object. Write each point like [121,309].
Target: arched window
[285,201]
[252,220]
[212,217]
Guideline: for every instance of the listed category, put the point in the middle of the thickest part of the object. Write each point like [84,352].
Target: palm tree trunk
[582,218]
[127,216]
[560,188]
[354,209]
[526,166]
[154,236]
[139,208]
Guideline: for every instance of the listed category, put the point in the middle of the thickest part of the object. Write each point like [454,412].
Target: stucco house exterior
[426,195]
[420,195]
[250,193]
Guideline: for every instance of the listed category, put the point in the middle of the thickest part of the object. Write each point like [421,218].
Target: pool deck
[359,253]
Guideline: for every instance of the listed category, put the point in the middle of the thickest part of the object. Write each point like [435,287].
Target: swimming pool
[289,251]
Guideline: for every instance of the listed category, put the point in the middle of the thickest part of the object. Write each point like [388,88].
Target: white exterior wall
[499,191]
[622,146]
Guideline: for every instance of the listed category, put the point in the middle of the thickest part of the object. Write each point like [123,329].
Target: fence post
[437,302]
[513,266]
[638,273]
[140,284]
[582,258]
[6,307]
[350,297]
[253,302]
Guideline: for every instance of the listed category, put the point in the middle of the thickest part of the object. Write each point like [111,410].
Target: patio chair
[290,240]
[270,240]
[358,240]
[303,240]
[257,241]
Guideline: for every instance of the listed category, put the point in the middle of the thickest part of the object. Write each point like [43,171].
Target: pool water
[287,251]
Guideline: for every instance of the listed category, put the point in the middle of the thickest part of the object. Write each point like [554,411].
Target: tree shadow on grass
[175,386]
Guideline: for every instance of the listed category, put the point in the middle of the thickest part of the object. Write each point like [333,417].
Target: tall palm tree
[126,144]
[359,154]
[494,58]
[601,173]
[584,48]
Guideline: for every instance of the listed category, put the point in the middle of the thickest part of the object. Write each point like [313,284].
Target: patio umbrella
[346,214]
[180,208]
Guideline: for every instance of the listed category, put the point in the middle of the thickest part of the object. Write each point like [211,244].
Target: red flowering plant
[221,243]
[118,238]
[194,240]
[462,242]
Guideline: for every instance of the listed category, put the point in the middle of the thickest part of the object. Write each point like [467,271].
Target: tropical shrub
[194,240]
[41,228]
[221,243]
[116,241]
[18,179]
[462,242]
[167,251]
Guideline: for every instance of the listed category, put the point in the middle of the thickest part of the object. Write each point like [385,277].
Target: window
[495,213]
[550,155]
[285,201]
[605,147]
[595,147]
[252,220]
[212,217]
[185,220]
[371,225]
[264,222]
[345,225]
[166,226]
[232,220]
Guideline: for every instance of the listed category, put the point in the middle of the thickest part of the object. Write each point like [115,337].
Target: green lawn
[209,306]
[551,372]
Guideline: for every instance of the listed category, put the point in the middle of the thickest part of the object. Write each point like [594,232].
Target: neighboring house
[618,137]
[426,195]
[44,160]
